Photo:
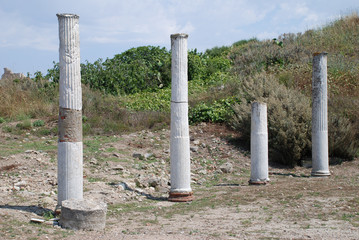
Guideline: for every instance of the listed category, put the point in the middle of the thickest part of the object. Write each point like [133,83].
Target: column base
[320,174]
[252,182]
[181,197]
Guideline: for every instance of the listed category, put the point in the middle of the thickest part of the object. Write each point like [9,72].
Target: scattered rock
[46,202]
[226,167]
[31,151]
[154,182]
[148,155]
[21,184]
[137,155]
[93,161]
[203,171]
[194,149]
[118,167]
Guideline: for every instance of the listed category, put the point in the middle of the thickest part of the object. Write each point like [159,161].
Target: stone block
[83,214]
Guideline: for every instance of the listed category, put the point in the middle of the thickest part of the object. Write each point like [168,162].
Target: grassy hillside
[132,90]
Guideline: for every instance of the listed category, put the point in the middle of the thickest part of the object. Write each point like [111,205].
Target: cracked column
[320,158]
[259,144]
[70,150]
[179,146]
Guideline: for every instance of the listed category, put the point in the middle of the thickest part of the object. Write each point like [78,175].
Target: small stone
[21,184]
[194,149]
[93,161]
[46,202]
[137,155]
[148,155]
[226,167]
[116,155]
[203,171]
[154,182]
[118,167]
[196,142]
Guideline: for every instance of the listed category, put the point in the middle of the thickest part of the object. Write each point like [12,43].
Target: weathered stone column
[180,147]
[320,158]
[259,144]
[70,152]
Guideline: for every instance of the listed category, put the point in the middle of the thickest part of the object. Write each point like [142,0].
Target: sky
[29,39]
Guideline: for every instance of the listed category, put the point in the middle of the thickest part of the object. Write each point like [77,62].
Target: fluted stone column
[70,150]
[180,145]
[320,158]
[259,144]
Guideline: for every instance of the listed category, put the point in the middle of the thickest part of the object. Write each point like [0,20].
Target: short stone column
[70,149]
[320,152]
[83,214]
[259,144]
[179,144]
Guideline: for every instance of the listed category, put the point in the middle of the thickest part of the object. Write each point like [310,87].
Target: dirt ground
[130,172]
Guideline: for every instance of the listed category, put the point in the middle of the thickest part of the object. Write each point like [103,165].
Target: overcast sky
[29,29]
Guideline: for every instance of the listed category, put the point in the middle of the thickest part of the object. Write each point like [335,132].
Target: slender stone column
[259,144]
[70,151]
[320,158]
[180,149]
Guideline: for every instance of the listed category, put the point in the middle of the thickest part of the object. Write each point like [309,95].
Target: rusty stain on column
[320,152]
[180,145]
[70,147]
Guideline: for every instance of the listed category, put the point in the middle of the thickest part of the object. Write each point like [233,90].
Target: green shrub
[265,55]
[343,127]
[289,118]
[217,111]
[38,123]
[25,125]
[2,120]
[343,142]
[7,129]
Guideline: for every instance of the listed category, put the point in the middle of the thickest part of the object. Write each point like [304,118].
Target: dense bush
[216,111]
[137,69]
[257,56]
[289,117]
[142,69]
[343,127]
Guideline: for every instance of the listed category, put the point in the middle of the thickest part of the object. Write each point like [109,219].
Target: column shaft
[259,144]
[320,158]
[180,145]
[70,147]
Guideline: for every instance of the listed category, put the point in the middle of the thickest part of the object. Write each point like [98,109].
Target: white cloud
[17,33]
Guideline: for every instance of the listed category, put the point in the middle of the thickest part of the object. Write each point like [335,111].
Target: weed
[38,123]
[25,125]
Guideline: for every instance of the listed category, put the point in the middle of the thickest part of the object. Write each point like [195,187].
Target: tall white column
[180,145]
[320,158]
[259,144]
[70,150]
